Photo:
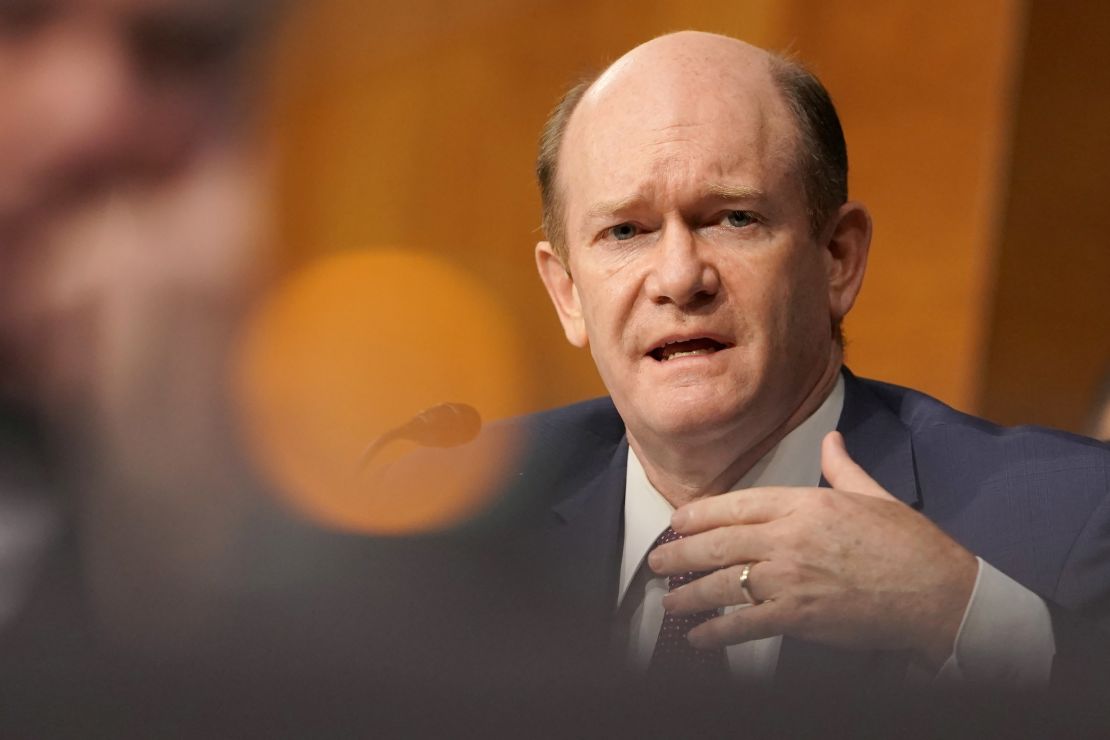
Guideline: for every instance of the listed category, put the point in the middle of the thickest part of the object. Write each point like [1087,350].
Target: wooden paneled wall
[1049,330]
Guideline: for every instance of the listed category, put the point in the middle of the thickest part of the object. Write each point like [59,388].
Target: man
[701,245]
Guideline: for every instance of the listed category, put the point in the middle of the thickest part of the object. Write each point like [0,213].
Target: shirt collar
[794,461]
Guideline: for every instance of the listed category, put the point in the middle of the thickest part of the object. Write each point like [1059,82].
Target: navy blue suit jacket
[1033,502]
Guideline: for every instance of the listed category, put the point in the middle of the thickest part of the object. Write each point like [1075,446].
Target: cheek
[788,302]
[608,297]
[601,324]
[603,330]
[806,319]
[608,315]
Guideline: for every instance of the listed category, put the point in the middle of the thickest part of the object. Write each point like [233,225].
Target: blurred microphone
[445,425]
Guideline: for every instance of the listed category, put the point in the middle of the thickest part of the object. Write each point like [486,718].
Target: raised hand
[849,566]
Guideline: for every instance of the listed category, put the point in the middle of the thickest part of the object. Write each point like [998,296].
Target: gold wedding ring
[745,583]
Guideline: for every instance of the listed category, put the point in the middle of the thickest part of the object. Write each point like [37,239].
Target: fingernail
[668,601]
[679,518]
[697,640]
[655,560]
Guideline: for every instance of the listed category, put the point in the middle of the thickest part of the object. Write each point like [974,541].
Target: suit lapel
[561,517]
[586,533]
[878,440]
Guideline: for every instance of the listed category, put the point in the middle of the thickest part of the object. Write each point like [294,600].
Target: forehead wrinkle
[727,191]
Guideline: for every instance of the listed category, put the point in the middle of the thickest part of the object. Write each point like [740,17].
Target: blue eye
[739,219]
[622,232]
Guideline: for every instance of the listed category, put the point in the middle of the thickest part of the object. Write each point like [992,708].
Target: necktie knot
[680,579]
[668,535]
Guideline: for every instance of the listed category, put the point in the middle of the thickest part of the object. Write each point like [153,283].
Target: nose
[680,273]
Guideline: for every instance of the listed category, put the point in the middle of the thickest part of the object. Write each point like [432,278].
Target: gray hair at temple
[822,157]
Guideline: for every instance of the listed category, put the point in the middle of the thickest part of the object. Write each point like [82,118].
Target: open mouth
[687,348]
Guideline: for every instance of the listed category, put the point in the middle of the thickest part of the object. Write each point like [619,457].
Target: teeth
[688,354]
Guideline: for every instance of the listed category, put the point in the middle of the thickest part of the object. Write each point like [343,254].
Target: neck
[683,472]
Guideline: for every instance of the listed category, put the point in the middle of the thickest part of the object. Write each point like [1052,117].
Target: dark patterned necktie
[674,655]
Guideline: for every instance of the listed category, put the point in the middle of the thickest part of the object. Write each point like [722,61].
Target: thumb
[842,472]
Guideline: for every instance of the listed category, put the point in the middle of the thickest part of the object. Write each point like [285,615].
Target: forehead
[654,128]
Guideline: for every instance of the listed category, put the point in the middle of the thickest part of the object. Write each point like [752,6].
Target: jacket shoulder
[1031,501]
[924,415]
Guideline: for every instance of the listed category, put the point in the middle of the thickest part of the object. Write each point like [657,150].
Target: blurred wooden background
[978,133]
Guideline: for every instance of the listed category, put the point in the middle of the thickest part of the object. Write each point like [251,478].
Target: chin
[696,417]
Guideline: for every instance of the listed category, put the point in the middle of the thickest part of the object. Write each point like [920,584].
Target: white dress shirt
[1005,637]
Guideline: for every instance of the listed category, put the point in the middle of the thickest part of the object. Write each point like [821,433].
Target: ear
[846,247]
[564,294]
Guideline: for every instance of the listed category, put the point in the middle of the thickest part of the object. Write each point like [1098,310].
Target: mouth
[674,349]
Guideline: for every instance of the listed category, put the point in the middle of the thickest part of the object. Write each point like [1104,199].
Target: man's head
[822,154]
[96,91]
[704,260]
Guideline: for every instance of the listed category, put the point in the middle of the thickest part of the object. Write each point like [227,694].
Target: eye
[621,232]
[739,219]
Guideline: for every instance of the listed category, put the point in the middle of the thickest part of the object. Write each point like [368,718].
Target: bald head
[681,78]
[690,60]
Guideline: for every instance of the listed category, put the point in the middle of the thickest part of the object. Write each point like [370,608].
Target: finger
[714,590]
[714,549]
[842,472]
[750,506]
[739,625]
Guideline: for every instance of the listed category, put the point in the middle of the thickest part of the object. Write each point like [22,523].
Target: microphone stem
[375,447]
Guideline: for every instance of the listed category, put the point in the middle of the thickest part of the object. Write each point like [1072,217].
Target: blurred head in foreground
[98,91]
[107,99]
[131,205]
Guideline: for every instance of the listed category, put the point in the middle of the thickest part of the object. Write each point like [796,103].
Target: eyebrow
[716,190]
[610,207]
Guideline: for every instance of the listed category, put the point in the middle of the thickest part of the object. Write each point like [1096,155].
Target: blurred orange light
[356,344]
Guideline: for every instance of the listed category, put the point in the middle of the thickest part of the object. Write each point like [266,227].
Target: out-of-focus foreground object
[354,345]
[132,210]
